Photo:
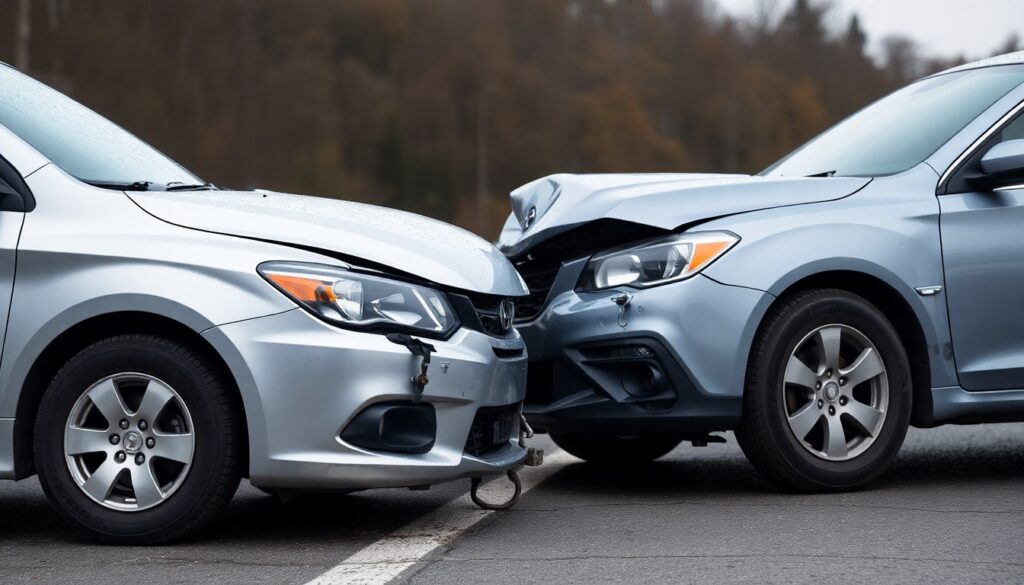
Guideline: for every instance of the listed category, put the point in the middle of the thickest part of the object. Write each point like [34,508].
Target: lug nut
[817,385]
[115,439]
[140,459]
[124,423]
[820,403]
[151,442]
[828,373]
[842,381]
[842,400]
[831,410]
[119,457]
[142,425]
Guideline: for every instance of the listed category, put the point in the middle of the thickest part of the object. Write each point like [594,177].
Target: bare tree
[766,13]
[901,58]
[23,36]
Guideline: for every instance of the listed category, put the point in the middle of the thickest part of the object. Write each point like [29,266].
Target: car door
[983,255]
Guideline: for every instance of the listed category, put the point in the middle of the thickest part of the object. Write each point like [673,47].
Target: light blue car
[871,280]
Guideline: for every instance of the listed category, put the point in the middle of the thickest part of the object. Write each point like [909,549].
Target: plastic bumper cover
[672,360]
[303,381]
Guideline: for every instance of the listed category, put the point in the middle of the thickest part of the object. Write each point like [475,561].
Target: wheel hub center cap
[831,391]
[132,441]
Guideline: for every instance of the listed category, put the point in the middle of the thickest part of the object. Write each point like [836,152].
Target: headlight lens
[362,301]
[656,262]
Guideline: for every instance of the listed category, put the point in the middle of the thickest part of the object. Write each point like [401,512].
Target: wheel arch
[79,336]
[896,308]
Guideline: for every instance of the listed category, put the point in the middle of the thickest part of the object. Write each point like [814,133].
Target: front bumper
[303,381]
[673,362]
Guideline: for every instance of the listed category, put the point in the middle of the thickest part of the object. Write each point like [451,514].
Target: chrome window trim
[958,162]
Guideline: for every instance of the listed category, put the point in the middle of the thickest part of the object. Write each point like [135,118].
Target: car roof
[1015,58]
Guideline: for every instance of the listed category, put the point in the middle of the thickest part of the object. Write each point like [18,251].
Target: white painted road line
[387,558]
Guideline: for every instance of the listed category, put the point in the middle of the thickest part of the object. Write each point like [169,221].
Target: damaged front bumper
[307,386]
[666,359]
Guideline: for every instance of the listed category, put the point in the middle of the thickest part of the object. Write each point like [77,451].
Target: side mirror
[1003,165]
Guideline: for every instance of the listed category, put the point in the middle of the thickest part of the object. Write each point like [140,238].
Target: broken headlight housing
[655,262]
[357,300]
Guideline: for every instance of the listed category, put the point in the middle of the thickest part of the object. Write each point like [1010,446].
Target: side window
[14,193]
[960,182]
[1013,131]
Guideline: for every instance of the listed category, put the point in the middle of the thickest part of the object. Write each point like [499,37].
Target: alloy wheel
[129,442]
[835,392]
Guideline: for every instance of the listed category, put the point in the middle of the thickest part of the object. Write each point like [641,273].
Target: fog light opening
[643,379]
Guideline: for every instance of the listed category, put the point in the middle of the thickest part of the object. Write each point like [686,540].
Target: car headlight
[655,262]
[362,301]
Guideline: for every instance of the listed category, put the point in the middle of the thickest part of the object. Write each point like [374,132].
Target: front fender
[889,231]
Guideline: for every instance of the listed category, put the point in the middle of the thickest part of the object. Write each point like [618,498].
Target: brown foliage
[424,105]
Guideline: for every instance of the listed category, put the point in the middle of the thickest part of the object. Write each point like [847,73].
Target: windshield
[81,142]
[903,129]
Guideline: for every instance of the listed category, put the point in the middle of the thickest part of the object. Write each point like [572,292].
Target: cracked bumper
[589,361]
[302,381]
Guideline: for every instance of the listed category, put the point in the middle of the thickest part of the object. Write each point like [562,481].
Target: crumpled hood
[419,246]
[551,205]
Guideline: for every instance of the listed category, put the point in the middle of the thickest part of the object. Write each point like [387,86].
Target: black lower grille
[492,429]
[539,284]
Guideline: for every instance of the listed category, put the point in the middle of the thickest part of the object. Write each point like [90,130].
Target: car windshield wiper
[831,173]
[133,186]
[179,186]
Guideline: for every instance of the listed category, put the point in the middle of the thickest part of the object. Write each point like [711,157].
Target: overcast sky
[946,28]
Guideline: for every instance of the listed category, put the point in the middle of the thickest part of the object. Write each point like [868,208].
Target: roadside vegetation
[443,106]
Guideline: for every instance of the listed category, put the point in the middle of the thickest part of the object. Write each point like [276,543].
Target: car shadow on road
[26,516]
[683,475]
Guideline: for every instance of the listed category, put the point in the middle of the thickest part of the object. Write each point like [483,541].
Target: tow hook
[622,300]
[416,347]
[534,458]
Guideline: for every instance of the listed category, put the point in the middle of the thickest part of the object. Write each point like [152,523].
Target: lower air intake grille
[492,429]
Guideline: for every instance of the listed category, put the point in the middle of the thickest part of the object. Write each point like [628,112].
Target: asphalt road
[950,510]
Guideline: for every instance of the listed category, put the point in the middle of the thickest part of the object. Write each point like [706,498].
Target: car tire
[153,481]
[616,450]
[827,399]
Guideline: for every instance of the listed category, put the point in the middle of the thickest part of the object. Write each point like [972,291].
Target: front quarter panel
[86,252]
[889,230]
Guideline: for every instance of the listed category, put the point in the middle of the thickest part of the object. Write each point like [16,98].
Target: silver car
[870,280]
[163,339]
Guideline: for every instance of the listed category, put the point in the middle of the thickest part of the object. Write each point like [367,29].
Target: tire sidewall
[844,309]
[167,363]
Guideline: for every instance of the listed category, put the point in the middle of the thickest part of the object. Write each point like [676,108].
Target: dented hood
[554,204]
[409,243]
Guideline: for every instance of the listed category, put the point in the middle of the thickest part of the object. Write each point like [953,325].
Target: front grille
[492,429]
[487,308]
[539,284]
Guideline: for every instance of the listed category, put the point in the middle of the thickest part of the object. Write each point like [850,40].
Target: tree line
[443,106]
